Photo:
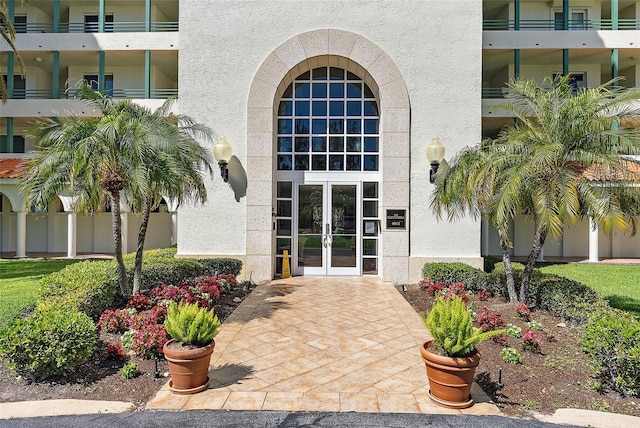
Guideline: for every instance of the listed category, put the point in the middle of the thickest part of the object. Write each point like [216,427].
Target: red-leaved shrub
[114,321]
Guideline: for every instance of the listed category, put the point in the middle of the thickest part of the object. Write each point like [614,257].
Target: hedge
[474,279]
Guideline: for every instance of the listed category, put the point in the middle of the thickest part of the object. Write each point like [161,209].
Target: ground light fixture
[435,155]
[222,151]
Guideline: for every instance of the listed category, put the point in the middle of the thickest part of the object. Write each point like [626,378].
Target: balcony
[550,24]
[82,27]
[135,93]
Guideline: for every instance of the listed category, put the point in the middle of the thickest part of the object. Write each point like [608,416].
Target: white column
[593,240]
[21,234]
[71,234]
[174,228]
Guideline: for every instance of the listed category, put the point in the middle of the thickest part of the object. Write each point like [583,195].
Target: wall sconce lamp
[435,155]
[222,151]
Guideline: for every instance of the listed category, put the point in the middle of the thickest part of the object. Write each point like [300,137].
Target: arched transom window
[328,120]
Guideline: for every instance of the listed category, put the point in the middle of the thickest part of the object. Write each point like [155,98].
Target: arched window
[328,120]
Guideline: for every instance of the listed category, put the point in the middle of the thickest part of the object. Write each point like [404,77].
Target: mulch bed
[558,377]
[98,378]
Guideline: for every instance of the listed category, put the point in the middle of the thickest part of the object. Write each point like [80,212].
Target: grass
[19,281]
[616,283]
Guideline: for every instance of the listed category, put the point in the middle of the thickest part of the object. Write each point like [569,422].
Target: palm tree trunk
[142,232]
[538,241]
[508,270]
[121,271]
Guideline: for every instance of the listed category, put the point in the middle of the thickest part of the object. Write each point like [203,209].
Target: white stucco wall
[224,44]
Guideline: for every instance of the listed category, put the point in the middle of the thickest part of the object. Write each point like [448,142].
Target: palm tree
[127,151]
[537,166]
[9,36]
[173,167]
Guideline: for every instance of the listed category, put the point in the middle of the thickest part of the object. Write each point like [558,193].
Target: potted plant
[189,351]
[451,357]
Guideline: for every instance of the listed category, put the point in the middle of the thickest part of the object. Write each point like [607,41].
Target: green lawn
[620,285]
[19,281]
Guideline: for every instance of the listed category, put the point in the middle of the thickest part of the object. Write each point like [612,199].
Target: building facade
[328,106]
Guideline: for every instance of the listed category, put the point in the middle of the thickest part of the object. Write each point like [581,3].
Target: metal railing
[493,93]
[47,94]
[550,24]
[92,27]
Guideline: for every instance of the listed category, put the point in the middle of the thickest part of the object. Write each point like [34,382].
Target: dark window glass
[319,108]
[370,144]
[284,162]
[336,73]
[319,162]
[302,108]
[319,144]
[305,76]
[302,126]
[336,144]
[353,144]
[320,73]
[351,76]
[371,126]
[336,108]
[353,108]
[302,144]
[284,126]
[284,208]
[302,162]
[336,126]
[353,162]
[336,90]
[319,126]
[354,90]
[370,108]
[284,144]
[285,108]
[284,189]
[319,90]
[288,93]
[370,208]
[353,126]
[371,162]
[370,190]
[336,162]
[283,227]
[367,92]
[302,90]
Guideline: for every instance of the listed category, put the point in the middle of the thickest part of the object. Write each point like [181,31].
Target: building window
[577,20]
[19,86]
[18,144]
[92,79]
[20,23]
[576,80]
[92,23]
[328,120]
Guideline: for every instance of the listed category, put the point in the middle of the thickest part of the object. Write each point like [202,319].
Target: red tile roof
[597,173]
[12,167]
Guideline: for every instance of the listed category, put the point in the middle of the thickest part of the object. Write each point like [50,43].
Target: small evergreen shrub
[127,338]
[612,338]
[535,325]
[511,356]
[190,324]
[115,352]
[513,330]
[51,342]
[531,341]
[483,295]
[564,297]
[130,370]
[451,326]
[523,311]
[490,320]
[432,288]
[221,266]
[148,340]
[114,321]
[497,279]
[88,286]
[158,271]
[450,273]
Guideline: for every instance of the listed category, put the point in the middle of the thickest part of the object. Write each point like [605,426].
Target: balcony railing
[546,24]
[45,94]
[493,93]
[92,27]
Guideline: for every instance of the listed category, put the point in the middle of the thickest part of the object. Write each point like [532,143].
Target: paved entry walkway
[320,344]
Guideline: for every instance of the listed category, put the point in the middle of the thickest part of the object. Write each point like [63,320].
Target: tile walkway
[320,344]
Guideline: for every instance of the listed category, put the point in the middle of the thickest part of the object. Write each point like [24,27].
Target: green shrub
[158,271]
[565,297]
[511,356]
[513,330]
[451,326]
[490,263]
[612,338]
[88,286]
[129,370]
[497,279]
[215,267]
[190,324]
[53,341]
[449,273]
[162,253]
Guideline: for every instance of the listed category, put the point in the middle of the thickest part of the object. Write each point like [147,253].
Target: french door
[327,229]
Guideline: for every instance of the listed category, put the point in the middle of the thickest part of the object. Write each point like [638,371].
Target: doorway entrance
[327,229]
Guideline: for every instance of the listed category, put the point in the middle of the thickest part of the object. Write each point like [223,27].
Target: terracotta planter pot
[450,379]
[189,368]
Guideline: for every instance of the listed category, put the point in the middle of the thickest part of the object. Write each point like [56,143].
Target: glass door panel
[311,240]
[343,226]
